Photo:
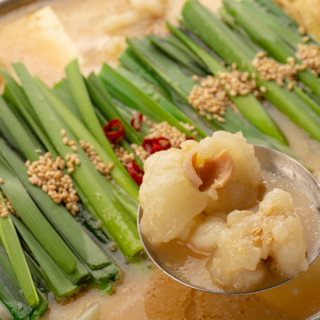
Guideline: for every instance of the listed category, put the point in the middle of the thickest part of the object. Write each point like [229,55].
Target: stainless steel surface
[270,161]
[8,5]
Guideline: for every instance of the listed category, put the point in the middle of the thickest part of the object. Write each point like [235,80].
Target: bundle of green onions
[92,134]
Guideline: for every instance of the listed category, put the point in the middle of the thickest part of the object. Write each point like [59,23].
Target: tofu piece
[40,41]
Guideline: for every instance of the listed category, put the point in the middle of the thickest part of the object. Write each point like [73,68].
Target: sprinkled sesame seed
[4,210]
[65,140]
[263,89]
[306,39]
[113,247]
[46,173]
[270,69]
[211,97]
[102,167]
[310,57]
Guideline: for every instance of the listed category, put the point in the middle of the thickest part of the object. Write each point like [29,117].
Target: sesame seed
[290,86]
[6,208]
[263,89]
[63,132]
[102,167]
[270,69]
[212,98]
[113,247]
[310,57]
[46,173]
[306,39]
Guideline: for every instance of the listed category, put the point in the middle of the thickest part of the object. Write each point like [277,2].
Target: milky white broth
[190,265]
[84,32]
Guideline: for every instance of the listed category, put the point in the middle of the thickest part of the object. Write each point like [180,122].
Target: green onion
[10,293]
[121,227]
[267,39]
[182,56]
[14,94]
[105,274]
[158,86]
[41,308]
[125,91]
[132,63]
[177,79]
[161,65]
[159,98]
[273,9]
[58,215]
[33,218]
[119,174]
[104,103]
[248,105]
[62,90]
[234,50]
[28,145]
[79,130]
[288,35]
[56,280]
[13,248]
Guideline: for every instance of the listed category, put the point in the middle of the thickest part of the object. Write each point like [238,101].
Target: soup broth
[145,293]
[190,265]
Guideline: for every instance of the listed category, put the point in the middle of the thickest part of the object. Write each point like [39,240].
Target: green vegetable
[125,91]
[104,103]
[121,227]
[234,50]
[248,104]
[119,174]
[34,220]
[56,280]
[10,294]
[267,38]
[15,95]
[13,248]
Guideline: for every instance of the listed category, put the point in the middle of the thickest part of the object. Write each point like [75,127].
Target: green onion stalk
[10,291]
[11,243]
[234,50]
[85,107]
[248,104]
[121,227]
[267,38]
[183,84]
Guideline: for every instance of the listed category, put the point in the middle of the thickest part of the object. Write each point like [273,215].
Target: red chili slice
[136,120]
[114,131]
[157,144]
[135,172]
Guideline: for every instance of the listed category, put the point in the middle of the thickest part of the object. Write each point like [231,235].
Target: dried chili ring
[135,172]
[157,144]
[114,131]
[136,120]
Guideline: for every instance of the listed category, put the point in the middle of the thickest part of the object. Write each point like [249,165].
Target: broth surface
[190,265]
[80,29]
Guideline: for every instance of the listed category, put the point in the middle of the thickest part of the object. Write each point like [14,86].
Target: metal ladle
[271,161]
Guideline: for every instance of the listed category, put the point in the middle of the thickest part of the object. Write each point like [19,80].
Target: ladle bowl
[270,161]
